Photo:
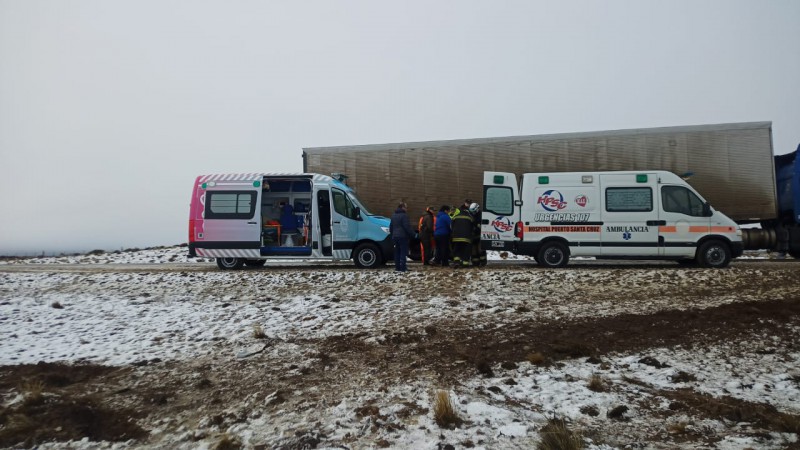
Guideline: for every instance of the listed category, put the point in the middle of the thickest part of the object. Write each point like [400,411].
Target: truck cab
[615,215]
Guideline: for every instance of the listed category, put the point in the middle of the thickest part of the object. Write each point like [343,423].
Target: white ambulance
[616,215]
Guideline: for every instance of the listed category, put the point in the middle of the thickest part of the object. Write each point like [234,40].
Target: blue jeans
[400,253]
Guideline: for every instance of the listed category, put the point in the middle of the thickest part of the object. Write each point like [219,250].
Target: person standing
[463,226]
[401,232]
[441,233]
[426,225]
[478,254]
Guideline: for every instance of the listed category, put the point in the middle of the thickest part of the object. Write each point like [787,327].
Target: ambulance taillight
[518,230]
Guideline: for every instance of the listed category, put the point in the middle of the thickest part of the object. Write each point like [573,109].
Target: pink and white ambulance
[248,218]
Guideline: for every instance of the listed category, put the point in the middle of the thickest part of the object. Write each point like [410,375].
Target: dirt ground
[137,403]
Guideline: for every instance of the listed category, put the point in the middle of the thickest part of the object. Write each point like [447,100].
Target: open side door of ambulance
[501,211]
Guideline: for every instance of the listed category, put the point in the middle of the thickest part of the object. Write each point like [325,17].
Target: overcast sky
[110,109]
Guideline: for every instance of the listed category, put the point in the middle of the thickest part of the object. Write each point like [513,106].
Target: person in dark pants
[478,254]
[426,228]
[463,226]
[401,231]
[441,234]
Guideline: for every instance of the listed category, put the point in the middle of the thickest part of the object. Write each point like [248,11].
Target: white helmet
[474,208]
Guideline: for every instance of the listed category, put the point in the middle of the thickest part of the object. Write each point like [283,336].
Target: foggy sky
[109,110]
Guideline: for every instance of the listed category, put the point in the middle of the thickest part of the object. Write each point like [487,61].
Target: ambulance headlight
[385,229]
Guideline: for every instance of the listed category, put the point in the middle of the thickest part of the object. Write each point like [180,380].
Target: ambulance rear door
[232,216]
[501,211]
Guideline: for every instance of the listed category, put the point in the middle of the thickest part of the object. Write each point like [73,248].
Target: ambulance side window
[343,205]
[499,200]
[629,199]
[678,199]
[230,205]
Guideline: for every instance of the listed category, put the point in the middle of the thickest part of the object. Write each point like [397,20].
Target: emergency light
[641,178]
[499,179]
[544,180]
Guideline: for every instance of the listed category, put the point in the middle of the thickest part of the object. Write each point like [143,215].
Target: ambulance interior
[285,216]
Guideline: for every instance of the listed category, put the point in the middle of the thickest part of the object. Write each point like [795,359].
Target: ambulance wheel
[553,254]
[255,262]
[367,256]
[714,254]
[230,263]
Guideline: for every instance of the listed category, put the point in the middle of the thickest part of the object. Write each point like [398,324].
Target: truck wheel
[367,256]
[553,254]
[255,262]
[714,254]
[230,263]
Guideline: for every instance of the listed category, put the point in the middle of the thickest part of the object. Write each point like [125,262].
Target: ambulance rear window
[230,205]
[499,200]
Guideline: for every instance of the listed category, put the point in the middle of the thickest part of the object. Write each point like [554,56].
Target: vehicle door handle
[656,223]
[485,222]
[337,221]
[252,223]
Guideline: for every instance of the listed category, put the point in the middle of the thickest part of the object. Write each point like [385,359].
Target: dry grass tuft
[258,332]
[32,391]
[556,435]
[228,442]
[536,358]
[677,428]
[444,412]
[597,384]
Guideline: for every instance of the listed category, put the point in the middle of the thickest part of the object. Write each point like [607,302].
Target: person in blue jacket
[441,234]
[402,233]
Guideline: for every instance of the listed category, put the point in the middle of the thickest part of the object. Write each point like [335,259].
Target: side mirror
[358,213]
[707,210]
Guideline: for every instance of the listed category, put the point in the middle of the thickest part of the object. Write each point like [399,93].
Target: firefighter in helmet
[478,255]
[462,235]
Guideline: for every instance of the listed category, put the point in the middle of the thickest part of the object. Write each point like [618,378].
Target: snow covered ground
[335,338]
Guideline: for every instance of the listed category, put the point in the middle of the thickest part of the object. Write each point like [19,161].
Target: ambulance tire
[367,256]
[255,262]
[553,254]
[714,254]
[230,263]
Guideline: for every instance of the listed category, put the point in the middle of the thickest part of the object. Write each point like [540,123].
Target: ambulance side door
[630,215]
[500,211]
[344,224]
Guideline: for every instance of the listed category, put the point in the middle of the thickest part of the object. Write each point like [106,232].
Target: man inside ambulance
[288,224]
